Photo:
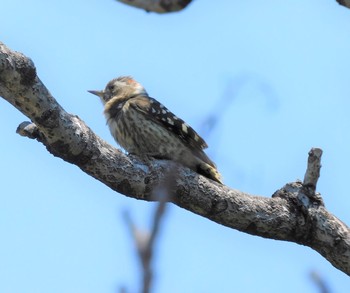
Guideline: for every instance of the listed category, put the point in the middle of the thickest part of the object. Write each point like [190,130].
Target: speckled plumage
[143,126]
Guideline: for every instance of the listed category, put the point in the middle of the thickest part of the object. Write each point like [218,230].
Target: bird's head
[122,87]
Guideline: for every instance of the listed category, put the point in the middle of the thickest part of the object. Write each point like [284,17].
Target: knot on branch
[299,195]
[303,206]
[303,194]
[30,130]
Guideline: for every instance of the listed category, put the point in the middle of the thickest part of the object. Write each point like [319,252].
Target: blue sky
[282,70]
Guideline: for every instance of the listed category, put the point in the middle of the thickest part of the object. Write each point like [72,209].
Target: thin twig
[145,243]
[320,282]
[313,168]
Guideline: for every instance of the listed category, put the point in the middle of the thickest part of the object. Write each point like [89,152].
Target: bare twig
[320,282]
[313,168]
[311,177]
[145,243]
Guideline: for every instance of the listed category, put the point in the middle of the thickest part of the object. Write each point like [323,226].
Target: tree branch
[145,244]
[166,6]
[159,6]
[345,3]
[294,213]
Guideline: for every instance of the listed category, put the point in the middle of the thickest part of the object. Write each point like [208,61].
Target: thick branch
[159,6]
[165,6]
[294,213]
[345,3]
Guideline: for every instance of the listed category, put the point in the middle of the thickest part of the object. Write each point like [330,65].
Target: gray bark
[294,213]
[345,3]
[158,6]
[165,6]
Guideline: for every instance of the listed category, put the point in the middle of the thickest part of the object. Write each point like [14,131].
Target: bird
[144,127]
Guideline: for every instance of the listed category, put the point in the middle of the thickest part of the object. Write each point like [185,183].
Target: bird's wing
[161,115]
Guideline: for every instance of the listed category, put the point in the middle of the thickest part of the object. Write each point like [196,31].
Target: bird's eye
[111,87]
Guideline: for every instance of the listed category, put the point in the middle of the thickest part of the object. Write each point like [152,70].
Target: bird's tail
[209,171]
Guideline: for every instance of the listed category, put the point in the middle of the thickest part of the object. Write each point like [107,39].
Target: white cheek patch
[139,88]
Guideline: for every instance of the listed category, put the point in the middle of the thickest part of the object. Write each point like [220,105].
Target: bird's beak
[97,93]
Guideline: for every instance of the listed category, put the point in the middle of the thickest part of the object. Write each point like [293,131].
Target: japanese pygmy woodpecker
[144,127]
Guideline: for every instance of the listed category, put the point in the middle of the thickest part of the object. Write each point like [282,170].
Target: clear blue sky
[283,67]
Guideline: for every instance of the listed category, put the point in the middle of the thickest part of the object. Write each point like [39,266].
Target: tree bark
[158,6]
[294,213]
[166,6]
[345,3]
